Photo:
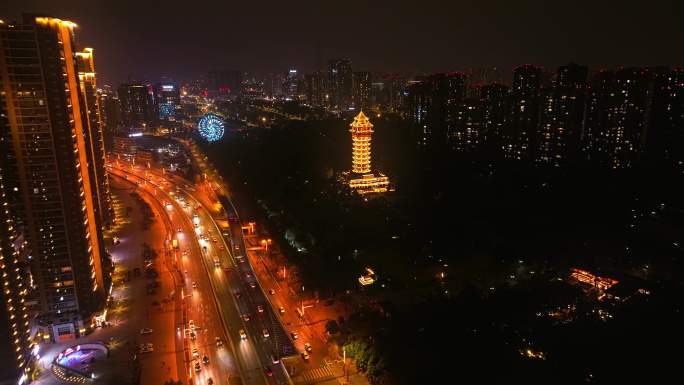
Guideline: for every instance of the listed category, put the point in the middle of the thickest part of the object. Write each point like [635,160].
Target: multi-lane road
[221,294]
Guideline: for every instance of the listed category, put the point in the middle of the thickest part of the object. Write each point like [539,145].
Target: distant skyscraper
[111,109]
[562,117]
[313,83]
[291,85]
[665,139]
[166,100]
[494,98]
[225,81]
[465,128]
[362,90]
[273,85]
[618,116]
[431,103]
[47,121]
[520,132]
[137,105]
[341,82]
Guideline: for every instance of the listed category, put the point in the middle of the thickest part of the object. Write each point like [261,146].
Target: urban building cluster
[54,192]
[616,117]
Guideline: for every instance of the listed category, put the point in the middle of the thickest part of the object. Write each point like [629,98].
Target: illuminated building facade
[136,105]
[15,338]
[562,117]
[166,100]
[363,181]
[94,136]
[47,119]
[362,90]
[520,132]
[340,79]
[618,116]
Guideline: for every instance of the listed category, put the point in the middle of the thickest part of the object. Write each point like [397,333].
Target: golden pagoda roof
[361,120]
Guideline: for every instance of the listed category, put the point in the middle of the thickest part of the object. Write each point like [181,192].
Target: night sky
[147,39]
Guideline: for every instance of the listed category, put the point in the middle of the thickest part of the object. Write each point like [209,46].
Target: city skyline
[395,37]
[191,200]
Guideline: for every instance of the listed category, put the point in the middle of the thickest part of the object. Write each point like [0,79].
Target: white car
[305,356]
[146,331]
[265,333]
[195,353]
[191,325]
[260,308]
[243,335]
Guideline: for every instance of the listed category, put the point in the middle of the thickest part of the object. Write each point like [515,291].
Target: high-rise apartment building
[94,136]
[47,119]
[341,83]
[520,132]
[431,104]
[313,83]
[494,98]
[562,117]
[137,106]
[15,338]
[465,128]
[618,116]
[362,90]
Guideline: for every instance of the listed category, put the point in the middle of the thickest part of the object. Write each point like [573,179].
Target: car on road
[194,285]
[217,263]
[281,310]
[195,353]
[243,335]
[271,292]
[226,269]
[205,359]
[305,356]
[146,348]
[219,342]
[180,230]
[252,285]
[294,335]
[237,294]
[274,358]
[240,258]
[191,325]
[214,240]
[265,333]
[193,335]
[221,247]
[245,317]
[260,308]
[146,331]
[268,372]
[308,348]
[198,367]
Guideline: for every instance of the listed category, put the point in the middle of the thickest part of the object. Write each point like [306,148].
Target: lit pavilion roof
[361,120]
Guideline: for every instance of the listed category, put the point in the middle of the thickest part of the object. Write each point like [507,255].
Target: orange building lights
[367,182]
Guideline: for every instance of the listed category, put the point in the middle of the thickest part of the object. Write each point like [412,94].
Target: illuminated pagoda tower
[362,180]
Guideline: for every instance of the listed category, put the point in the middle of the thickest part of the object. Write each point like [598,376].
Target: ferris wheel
[211,127]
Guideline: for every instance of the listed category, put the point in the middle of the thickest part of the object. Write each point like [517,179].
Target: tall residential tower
[52,122]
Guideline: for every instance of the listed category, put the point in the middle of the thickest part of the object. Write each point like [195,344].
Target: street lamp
[265,243]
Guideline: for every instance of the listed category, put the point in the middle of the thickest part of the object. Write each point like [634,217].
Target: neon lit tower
[362,131]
